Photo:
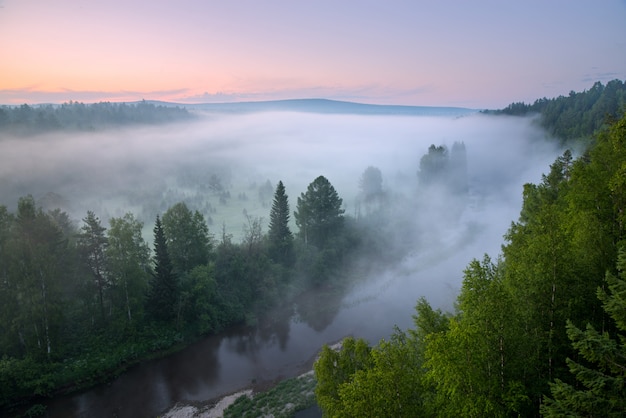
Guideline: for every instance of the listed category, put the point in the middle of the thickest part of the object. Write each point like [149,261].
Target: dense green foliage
[601,369]
[515,346]
[27,119]
[577,115]
[388,380]
[80,304]
[319,214]
[282,401]
[163,290]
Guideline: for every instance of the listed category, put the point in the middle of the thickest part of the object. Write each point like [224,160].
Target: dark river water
[285,343]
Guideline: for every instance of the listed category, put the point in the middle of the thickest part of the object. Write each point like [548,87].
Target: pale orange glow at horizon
[484,55]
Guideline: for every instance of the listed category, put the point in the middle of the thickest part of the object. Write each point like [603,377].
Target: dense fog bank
[145,170]
[227,166]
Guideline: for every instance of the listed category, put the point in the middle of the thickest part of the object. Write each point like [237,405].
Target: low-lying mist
[227,166]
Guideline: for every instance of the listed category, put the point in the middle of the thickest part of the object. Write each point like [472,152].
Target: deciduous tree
[187,237]
[128,258]
[92,244]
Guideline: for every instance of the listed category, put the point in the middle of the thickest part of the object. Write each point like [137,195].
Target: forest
[80,305]
[76,116]
[536,331]
[539,331]
[576,116]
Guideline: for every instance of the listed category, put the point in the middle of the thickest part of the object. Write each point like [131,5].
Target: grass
[282,401]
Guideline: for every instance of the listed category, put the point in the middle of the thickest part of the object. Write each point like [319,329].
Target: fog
[146,170]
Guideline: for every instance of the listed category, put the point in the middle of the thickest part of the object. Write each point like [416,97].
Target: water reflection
[284,343]
[318,309]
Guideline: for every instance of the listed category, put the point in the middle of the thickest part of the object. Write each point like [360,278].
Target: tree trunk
[44,297]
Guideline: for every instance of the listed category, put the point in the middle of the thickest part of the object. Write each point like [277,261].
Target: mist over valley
[227,165]
[418,231]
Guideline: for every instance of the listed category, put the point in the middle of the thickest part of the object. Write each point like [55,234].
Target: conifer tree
[163,292]
[319,215]
[280,236]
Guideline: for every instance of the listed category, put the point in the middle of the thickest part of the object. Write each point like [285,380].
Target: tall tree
[458,174]
[280,236]
[187,236]
[7,295]
[371,183]
[37,253]
[433,166]
[601,368]
[319,214]
[163,291]
[92,244]
[391,386]
[542,275]
[334,368]
[472,365]
[128,258]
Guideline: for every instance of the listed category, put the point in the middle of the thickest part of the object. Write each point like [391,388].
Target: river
[285,343]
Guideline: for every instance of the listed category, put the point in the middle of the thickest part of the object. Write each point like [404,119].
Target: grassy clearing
[282,401]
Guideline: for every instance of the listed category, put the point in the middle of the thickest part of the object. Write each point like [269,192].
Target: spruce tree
[163,292]
[280,236]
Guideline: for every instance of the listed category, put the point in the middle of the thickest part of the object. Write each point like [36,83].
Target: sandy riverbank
[216,411]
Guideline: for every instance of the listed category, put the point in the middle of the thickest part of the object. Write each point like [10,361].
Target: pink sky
[479,54]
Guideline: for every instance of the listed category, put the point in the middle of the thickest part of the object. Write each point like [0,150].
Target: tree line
[78,304]
[28,120]
[578,115]
[539,331]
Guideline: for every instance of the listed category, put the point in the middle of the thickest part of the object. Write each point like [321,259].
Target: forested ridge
[76,116]
[578,115]
[538,331]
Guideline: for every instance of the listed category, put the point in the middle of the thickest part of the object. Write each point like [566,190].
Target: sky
[476,54]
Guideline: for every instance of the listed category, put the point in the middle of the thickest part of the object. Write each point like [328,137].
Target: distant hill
[324,106]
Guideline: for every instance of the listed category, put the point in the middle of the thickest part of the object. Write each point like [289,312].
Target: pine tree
[280,236]
[163,291]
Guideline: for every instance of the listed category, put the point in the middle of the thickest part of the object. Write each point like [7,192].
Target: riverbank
[283,400]
[294,397]
[208,411]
